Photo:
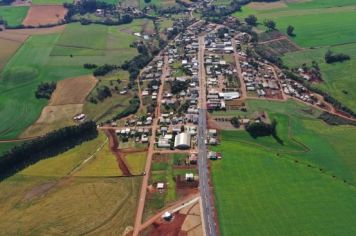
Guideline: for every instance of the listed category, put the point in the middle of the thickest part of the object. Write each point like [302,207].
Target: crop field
[20,77]
[45,14]
[34,63]
[78,40]
[13,15]
[338,77]
[286,189]
[50,191]
[50,2]
[7,49]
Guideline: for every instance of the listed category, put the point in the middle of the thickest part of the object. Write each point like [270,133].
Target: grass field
[57,203]
[289,188]
[8,49]
[338,77]
[105,110]
[259,193]
[34,62]
[27,68]
[13,15]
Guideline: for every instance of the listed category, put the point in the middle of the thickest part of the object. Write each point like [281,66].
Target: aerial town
[158,117]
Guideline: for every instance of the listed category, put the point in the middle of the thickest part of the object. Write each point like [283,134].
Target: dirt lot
[53,117]
[44,14]
[73,90]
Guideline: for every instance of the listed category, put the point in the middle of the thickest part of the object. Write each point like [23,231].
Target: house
[160,186]
[189,177]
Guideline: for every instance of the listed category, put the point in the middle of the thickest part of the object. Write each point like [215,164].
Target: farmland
[43,15]
[13,15]
[50,191]
[34,62]
[290,185]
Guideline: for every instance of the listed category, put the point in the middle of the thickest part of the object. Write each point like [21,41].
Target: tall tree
[290,30]
[251,20]
[270,24]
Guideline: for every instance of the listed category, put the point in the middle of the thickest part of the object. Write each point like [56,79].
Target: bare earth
[73,90]
[45,14]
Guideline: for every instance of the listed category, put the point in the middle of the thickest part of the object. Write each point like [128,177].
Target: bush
[235,122]
[45,90]
[103,70]
[331,57]
[90,66]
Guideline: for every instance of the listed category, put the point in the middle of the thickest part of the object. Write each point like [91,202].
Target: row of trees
[45,147]
[45,90]
[220,11]
[331,57]
[328,98]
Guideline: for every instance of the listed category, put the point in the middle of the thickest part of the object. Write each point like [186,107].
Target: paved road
[207,211]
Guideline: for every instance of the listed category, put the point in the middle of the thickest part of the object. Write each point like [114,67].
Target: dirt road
[239,72]
[114,144]
[150,152]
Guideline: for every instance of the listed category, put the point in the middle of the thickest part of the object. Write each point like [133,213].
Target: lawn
[136,162]
[304,187]
[13,15]
[338,77]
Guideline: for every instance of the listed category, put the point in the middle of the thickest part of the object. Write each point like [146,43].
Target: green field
[34,62]
[78,40]
[13,15]
[26,69]
[298,188]
[338,77]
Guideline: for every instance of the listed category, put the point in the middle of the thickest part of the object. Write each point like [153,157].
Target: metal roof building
[182,141]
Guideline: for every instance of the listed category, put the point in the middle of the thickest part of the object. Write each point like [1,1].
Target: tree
[270,24]
[147,1]
[290,31]
[331,57]
[235,122]
[251,20]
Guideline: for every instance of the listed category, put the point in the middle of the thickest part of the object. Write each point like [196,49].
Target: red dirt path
[114,144]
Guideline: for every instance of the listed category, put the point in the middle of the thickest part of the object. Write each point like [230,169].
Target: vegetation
[44,147]
[235,122]
[131,109]
[251,20]
[290,31]
[331,57]
[45,90]
[13,15]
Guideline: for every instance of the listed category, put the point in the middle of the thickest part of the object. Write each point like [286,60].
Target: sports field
[304,187]
[13,15]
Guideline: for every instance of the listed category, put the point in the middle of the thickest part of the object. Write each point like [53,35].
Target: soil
[172,228]
[113,144]
[73,90]
[44,15]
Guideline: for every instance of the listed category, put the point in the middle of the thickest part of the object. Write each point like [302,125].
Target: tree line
[328,98]
[47,146]
[331,57]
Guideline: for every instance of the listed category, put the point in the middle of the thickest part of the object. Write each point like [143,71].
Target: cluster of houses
[294,89]
[259,77]
[218,71]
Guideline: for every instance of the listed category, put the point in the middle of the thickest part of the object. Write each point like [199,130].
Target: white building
[182,141]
